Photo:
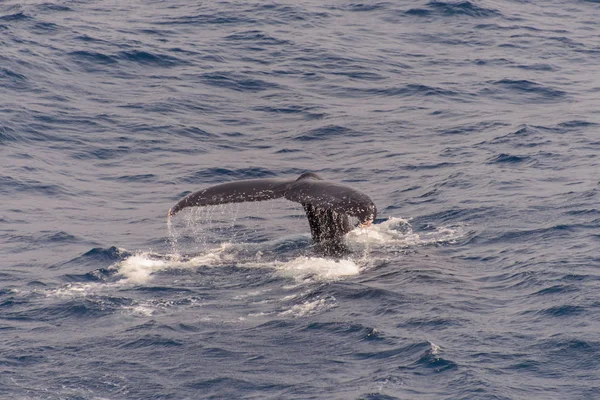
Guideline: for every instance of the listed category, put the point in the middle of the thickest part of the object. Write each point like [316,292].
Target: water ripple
[473,126]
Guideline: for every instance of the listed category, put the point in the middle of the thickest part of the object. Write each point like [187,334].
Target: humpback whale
[327,205]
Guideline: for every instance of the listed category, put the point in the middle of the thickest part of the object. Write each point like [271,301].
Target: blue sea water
[473,125]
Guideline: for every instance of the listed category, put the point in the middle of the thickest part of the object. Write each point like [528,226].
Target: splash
[398,232]
[138,268]
[394,232]
[276,257]
[317,268]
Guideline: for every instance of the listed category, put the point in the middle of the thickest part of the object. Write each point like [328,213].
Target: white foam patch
[311,268]
[138,268]
[76,290]
[140,310]
[251,294]
[302,268]
[310,307]
[399,232]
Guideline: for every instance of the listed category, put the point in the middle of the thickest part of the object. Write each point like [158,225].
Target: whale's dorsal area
[327,205]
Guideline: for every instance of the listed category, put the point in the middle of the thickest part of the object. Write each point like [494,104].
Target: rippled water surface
[473,125]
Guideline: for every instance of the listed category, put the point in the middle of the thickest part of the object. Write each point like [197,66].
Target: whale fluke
[327,205]
[233,192]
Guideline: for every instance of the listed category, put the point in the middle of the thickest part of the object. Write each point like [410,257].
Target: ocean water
[473,125]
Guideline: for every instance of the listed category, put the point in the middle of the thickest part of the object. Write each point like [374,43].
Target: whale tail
[327,205]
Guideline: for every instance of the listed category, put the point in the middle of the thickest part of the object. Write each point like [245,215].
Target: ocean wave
[454,9]
[476,121]
[525,90]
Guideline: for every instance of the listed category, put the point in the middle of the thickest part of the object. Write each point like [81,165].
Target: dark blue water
[473,125]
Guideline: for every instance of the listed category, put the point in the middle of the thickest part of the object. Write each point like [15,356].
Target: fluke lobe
[327,204]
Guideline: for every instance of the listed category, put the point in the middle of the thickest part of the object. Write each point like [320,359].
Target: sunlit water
[474,126]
